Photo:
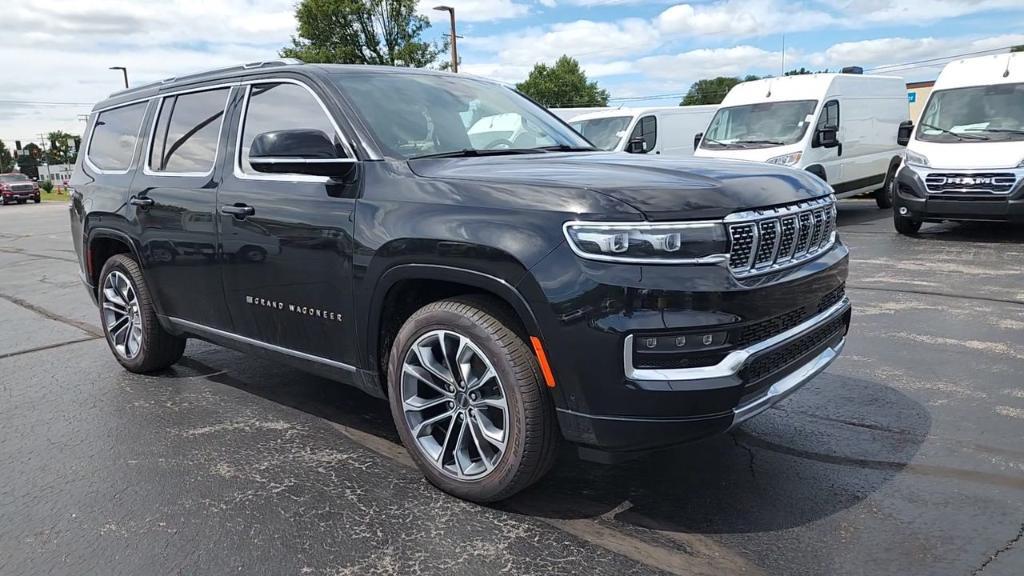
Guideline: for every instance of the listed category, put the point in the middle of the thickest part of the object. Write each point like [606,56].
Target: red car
[19,188]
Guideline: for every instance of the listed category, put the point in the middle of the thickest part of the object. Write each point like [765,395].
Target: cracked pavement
[905,457]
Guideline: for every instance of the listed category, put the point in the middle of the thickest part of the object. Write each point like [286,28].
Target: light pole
[123,71]
[455,50]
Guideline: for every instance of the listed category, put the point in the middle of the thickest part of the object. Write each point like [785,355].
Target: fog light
[904,211]
[687,343]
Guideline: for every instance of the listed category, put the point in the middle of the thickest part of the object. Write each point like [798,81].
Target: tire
[121,281]
[37,200]
[483,331]
[885,194]
[904,225]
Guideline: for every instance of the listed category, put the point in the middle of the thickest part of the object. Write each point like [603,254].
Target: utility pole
[455,49]
[783,54]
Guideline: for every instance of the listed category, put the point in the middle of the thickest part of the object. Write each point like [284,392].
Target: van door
[285,240]
[831,159]
[174,204]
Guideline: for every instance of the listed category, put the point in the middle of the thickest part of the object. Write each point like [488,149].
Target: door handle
[239,211]
[141,201]
[840,149]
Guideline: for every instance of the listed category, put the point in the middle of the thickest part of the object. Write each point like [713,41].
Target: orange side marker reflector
[542,359]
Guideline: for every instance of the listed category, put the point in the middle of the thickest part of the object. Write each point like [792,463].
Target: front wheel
[37,200]
[467,397]
[904,224]
[129,320]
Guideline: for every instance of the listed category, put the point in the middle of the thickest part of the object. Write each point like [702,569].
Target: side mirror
[906,129]
[696,139]
[298,152]
[828,137]
[637,146]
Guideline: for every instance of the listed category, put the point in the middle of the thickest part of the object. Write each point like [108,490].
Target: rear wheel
[468,400]
[129,320]
[885,194]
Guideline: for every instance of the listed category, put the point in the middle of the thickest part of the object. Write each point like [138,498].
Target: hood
[970,155]
[661,188]
[749,154]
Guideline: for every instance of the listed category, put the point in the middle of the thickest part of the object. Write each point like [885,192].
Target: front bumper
[967,203]
[607,402]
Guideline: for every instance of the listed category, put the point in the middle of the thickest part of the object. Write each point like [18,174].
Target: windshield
[759,125]
[414,115]
[605,133]
[11,178]
[979,113]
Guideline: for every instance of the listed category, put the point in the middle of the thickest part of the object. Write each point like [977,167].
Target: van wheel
[468,400]
[129,321]
[905,225]
[885,194]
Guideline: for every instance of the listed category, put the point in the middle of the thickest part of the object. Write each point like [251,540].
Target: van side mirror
[697,138]
[906,129]
[298,152]
[828,137]
[637,146]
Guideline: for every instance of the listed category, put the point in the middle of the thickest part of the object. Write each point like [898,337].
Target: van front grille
[774,238]
[970,182]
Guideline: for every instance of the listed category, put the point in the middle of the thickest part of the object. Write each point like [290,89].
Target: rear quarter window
[115,136]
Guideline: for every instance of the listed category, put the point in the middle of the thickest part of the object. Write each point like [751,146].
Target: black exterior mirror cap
[637,146]
[697,138]
[828,137]
[906,129]
[309,152]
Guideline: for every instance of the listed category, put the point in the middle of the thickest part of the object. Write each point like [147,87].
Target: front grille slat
[979,183]
[764,240]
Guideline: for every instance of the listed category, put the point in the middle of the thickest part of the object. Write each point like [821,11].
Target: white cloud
[693,65]
[740,18]
[913,12]
[887,52]
[473,10]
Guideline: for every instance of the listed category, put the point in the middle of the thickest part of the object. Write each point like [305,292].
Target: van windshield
[980,113]
[605,133]
[761,125]
[417,115]
[13,178]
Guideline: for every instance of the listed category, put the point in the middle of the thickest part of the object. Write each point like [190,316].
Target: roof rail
[237,67]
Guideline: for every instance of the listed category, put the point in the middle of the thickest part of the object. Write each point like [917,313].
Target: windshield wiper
[471,152]
[772,142]
[566,148]
[958,135]
[713,141]
[1002,130]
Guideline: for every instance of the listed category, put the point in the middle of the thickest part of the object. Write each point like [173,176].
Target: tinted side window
[829,117]
[114,136]
[647,128]
[187,131]
[282,106]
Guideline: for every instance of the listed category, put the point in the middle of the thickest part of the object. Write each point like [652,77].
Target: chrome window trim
[643,225]
[95,115]
[169,93]
[148,171]
[237,160]
[286,160]
[735,360]
[261,344]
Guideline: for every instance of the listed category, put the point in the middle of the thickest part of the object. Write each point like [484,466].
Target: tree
[6,159]
[28,162]
[801,70]
[60,148]
[1017,48]
[712,90]
[383,32]
[563,85]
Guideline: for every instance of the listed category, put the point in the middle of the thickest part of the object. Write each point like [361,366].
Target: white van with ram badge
[966,158]
[841,127]
[666,130]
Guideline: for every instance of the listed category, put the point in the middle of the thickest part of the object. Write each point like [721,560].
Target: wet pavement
[905,457]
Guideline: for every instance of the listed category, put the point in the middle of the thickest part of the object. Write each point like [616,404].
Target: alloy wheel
[121,314]
[454,405]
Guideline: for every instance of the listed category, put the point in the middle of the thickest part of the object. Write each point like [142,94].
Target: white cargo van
[567,114]
[668,130]
[842,127]
[966,158]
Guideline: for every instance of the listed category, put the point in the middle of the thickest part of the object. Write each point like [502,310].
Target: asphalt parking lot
[905,457]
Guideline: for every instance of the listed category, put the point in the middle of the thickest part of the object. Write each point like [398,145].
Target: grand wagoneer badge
[295,308]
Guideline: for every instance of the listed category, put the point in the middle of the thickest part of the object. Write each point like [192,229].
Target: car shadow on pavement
[983,232]
[784,469]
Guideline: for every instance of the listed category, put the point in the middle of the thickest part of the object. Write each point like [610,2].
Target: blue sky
[58,51]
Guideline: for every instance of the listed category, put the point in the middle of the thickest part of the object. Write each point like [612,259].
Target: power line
[953,57]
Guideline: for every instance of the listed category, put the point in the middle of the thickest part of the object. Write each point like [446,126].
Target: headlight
[915,159]
[786,159]
[675,243]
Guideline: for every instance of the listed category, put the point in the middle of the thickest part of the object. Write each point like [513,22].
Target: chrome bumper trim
[787,385]
[734,361]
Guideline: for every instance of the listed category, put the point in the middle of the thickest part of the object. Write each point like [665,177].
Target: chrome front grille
[21,188]
[970,182]
[773,238]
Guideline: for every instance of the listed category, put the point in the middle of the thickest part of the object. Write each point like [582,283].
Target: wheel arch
[818,170]
[100,245]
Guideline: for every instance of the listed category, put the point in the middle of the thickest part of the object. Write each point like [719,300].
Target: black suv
[443,242]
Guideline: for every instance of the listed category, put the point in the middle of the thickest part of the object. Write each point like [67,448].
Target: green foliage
[1017,48]
[60,148]
[6,158]
[563,85]
[801,70]
[383,32]
[712,90]
[46,186]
